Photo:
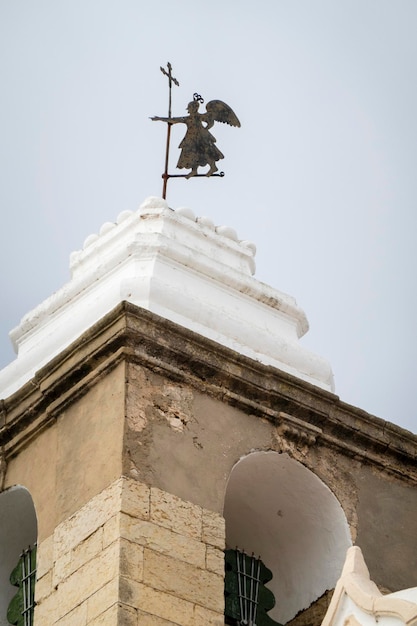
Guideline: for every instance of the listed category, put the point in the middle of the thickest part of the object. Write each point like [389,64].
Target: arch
[280,510]
[18,530]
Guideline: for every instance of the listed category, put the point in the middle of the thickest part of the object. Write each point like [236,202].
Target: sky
[320,176]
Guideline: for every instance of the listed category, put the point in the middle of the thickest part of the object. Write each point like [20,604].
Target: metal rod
[258,578]
[220,174]
[239,584]
[25,585]
[165,175]
[245,616]
[252,572]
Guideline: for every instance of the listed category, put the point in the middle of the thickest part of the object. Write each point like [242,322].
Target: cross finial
[168,73]
[171,80]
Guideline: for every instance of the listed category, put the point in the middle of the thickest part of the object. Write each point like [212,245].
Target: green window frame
[247,600]
[22,606]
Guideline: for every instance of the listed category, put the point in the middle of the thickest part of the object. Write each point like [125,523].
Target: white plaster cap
[181,267]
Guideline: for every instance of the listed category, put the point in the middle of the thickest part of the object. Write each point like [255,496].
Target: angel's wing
[221,112]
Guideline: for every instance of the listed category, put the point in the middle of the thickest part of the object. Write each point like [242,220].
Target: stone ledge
[131,334]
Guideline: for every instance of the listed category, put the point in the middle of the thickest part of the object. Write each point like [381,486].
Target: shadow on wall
[279,510]
[18,530]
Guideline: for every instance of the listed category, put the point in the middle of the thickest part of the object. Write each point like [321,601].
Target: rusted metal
[198,147]
[171,80]
[220,175]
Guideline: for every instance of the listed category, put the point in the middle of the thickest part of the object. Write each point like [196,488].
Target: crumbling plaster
[190,441]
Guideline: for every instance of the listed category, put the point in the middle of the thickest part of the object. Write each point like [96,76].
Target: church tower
[160,410]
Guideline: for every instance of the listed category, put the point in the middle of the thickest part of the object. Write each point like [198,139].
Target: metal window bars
[28,561]
[248,576]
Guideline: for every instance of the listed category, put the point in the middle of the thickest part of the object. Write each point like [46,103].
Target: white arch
[281,511]
[18,530]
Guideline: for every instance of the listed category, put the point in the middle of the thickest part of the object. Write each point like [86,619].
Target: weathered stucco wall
[387,519]
[187,443]
[183,441]
[76,456]
[200,438]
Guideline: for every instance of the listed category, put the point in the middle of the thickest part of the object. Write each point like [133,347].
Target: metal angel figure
[198,148]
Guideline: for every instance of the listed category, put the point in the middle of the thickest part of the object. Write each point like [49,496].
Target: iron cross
[171,80]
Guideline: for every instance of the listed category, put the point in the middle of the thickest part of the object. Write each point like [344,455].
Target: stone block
[108,617]
[111,530]
[171,512]
[88,579]
[43,587]
[214,529]
[144,619]
[116,615]
[45,556]
[45,611]
[157,603]
[215,560]
[127,616]
[103,599]
[77,617]
[164,540]
[183,580]
[135,499]
[207,617]
[88,519]
[86,550]
[131,560]
[62,568]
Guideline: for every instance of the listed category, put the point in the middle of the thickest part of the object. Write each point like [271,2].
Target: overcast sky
[321,175]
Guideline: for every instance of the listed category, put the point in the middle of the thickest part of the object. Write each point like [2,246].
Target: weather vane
[198,147]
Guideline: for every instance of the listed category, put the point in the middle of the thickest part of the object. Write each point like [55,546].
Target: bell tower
[162,409]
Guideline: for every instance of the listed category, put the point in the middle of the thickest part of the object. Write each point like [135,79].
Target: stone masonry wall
[133,555]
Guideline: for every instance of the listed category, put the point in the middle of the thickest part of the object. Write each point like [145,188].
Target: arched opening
[18,530]
[278,509]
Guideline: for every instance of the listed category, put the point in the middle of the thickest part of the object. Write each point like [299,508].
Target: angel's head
[193,106]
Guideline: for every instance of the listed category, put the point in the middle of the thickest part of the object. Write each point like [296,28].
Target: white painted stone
[186,212]
[250,245]
[180,269]
[123,216]
[226,231]
[357,600]
[106,227]
[90,239]
[153,202]
[206,221]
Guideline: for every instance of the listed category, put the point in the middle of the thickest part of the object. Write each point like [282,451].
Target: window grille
[248,584]
[247,600]
[22,605]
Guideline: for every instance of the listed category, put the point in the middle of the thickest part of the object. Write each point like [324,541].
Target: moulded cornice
[134,335]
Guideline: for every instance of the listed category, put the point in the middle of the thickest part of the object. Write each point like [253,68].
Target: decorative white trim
[357,600]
